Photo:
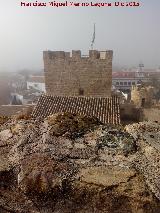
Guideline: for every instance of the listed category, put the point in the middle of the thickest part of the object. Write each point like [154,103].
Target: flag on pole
[94,36]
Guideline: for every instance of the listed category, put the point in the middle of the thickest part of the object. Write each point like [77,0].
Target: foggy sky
[132,33]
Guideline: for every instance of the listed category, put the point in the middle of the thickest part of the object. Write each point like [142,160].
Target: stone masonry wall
[151,114]
[9,110]
[76,75]
[140,93]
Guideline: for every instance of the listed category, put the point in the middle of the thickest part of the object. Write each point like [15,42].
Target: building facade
[37,83]
[124,80]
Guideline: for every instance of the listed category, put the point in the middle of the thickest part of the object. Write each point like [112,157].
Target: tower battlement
[76,54]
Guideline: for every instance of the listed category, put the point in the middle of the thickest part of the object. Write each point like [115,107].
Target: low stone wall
[129,113]
[142,96]
[8,110]
[152,114]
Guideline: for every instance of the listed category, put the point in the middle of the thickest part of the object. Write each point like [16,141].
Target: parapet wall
[9,110]
[151,114]
[76,54]
[129,113]
[74,75]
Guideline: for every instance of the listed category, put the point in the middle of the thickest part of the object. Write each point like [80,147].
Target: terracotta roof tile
[105,109]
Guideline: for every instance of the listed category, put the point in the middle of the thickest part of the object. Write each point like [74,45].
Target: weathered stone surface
[88,173]
[147,160]
[5,135]
[142,96]
[41,174]
[106,177]
[3,119]
[4,164]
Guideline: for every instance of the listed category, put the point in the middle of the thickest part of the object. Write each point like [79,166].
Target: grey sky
[132,33]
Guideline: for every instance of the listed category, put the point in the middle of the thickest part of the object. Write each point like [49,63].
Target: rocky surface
[147,160]
[69,163]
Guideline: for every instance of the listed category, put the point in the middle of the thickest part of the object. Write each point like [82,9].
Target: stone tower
[76,75]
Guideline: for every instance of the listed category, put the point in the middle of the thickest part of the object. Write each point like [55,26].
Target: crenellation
[67,55]
[76,54]
[94,54]
[47,55]
[59,54]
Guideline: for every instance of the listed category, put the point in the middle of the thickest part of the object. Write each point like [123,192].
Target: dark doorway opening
[81,91]
[143,102]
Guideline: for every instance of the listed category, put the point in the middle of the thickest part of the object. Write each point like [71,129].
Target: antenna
[94,35]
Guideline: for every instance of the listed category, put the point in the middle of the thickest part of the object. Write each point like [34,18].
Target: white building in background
[16,99]
[37,83]
[124,80]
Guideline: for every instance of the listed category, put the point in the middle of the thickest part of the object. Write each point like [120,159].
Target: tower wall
[75,75]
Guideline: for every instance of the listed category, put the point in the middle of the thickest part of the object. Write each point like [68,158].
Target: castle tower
[75,75]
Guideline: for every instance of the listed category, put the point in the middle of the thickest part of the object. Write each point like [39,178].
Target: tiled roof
[123,74]
[36,79]
[105,109]
[127,74]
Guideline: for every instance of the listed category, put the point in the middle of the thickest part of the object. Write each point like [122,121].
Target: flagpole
[94,35]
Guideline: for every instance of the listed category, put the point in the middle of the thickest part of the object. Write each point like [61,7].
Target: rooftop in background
[122,74]
[124,80]
[135,74]
[36,79]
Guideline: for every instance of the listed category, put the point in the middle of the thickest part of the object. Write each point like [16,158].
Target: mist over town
[79,107]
